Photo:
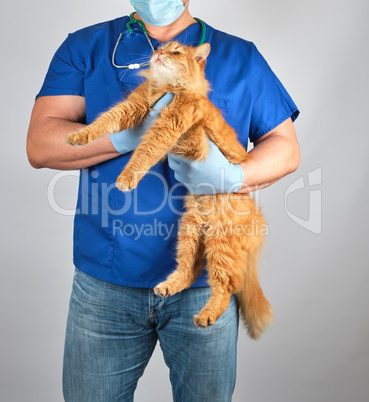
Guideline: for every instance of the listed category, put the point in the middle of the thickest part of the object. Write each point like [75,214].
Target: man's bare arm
[53,117]
[275,155]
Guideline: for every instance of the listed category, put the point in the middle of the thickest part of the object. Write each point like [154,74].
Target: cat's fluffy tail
[255,308]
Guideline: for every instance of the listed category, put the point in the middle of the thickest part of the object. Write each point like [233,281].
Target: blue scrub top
[130,238]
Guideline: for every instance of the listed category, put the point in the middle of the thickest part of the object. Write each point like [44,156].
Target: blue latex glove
[127,140]
[208,176]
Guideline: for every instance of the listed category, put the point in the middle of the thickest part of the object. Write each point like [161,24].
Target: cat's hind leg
[190,257]
[224,258]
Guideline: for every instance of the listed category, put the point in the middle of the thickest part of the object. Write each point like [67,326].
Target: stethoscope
[132,21]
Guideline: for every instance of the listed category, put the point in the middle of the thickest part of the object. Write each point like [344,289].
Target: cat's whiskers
[142,59]
[123,74]
[191,43]
[146,56]
[126,71]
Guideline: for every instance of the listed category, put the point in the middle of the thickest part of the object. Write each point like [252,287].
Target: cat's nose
[160,52]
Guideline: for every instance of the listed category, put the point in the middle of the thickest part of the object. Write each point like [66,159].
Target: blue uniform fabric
[130,238]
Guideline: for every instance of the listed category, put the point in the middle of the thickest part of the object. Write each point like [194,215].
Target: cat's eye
[176,52]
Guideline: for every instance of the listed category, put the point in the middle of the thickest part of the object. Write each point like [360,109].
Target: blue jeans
[112,331]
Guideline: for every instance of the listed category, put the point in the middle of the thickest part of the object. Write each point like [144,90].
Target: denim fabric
[112,331]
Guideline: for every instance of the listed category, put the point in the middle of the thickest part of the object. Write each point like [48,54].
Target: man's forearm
[272,159]
[49,149]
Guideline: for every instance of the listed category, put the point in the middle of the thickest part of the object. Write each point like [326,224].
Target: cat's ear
[202,52]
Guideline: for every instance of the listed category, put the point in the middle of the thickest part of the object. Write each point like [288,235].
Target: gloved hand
[128,140]
[207,176]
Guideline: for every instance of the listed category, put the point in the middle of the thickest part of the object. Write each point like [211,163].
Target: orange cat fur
[208,226]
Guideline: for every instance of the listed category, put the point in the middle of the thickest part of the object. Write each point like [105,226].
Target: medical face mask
[159,13]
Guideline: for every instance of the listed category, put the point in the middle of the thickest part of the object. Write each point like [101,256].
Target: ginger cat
[207,226]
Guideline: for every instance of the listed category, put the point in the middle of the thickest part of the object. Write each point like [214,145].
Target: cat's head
[181,66]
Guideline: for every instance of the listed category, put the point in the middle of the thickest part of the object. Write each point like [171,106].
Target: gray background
[317,349]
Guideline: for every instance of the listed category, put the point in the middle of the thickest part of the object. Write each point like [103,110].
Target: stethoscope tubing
[135,66]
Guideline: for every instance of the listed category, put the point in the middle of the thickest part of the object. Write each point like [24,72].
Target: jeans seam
[158,311]
[170,374]
[152,347]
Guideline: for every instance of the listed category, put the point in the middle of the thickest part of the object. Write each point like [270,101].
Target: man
[124,243]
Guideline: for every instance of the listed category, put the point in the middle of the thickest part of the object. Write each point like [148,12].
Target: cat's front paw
[76,139]
[126,182]
[79,138]
[164,289]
